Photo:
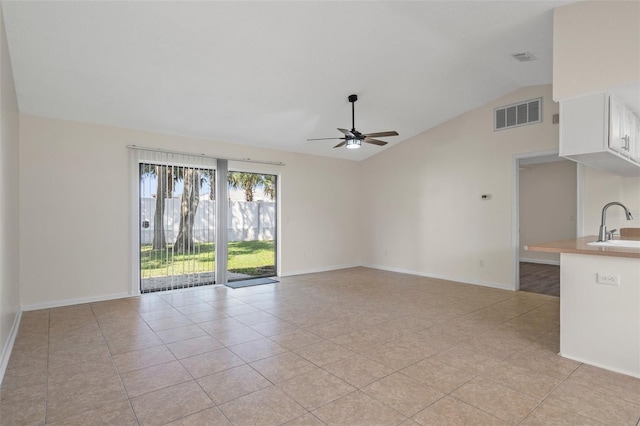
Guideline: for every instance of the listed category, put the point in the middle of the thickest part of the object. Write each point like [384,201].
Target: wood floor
[539,278]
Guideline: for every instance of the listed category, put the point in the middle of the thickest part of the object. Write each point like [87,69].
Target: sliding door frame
[222,216]
[276,247]
[222,207]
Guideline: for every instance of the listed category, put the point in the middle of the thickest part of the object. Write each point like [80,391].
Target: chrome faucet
[603,235]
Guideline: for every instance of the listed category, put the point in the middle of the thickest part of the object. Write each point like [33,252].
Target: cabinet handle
[626,142]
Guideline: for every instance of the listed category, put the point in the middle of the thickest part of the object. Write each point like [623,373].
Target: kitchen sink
[617,243]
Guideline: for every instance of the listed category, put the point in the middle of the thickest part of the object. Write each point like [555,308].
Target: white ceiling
[273,74]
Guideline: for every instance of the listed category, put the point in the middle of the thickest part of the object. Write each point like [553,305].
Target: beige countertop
[579,246]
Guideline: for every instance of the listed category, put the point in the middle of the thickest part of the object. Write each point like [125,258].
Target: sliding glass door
[177,226]
[251,226]
[197,223]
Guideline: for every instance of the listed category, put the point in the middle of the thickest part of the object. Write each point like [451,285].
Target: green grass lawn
[254,258]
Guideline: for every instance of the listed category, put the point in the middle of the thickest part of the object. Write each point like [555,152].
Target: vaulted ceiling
[273,74]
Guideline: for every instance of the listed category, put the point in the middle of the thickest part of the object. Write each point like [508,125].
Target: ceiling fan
[353,138]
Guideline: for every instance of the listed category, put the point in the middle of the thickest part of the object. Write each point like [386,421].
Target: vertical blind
[176,196]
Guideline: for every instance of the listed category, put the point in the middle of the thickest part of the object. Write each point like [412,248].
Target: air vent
[520,114]
[524,56]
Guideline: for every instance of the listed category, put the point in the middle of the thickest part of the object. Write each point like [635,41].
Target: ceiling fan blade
[343,143]
[375,141]
[346,132]
[381,134]
[324,139]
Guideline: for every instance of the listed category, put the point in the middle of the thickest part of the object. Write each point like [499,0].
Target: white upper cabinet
[601,131]
[622,128]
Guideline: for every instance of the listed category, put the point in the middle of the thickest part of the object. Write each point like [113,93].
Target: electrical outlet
[608,279]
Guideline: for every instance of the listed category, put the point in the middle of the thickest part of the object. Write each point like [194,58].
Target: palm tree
[166,178]
[164,189]
[250,181]
[270,186]
[189,205]
[210,176]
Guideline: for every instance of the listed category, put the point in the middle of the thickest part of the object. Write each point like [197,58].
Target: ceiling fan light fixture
[353,143]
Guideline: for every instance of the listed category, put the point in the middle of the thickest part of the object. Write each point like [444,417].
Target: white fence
[248,220]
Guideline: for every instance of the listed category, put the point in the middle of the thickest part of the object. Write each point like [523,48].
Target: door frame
[240,167]
[515,206]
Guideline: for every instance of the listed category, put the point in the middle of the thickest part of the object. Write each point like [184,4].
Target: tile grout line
[564,381]
[192,377]
[539,339]
[117,370]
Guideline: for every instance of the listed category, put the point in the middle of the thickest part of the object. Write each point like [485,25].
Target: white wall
[81,172]
[595,46]
[547,207]
[630,194]
[422,197]
[601,188]
[9,201]
[415,207]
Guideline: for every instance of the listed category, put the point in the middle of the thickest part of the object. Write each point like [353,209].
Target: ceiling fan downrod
[353,99]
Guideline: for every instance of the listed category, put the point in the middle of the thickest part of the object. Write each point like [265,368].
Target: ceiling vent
[520,114]
[524,56]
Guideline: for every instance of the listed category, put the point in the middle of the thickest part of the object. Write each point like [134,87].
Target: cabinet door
[628,132]
[636,141]
[617,141]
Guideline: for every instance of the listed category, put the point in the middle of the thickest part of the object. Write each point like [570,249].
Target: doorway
[251,226]
[547,210]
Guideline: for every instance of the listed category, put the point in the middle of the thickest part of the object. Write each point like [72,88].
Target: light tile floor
[350,347]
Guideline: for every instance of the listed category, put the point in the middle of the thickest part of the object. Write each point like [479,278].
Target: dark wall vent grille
[520,114]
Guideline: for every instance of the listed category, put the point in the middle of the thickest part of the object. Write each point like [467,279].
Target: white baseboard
[440,277]
[69,302]
[635,374]
[541,261]
[8,346]
[401,271]
[316,270]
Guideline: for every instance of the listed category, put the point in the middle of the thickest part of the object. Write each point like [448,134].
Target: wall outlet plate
[607,279]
